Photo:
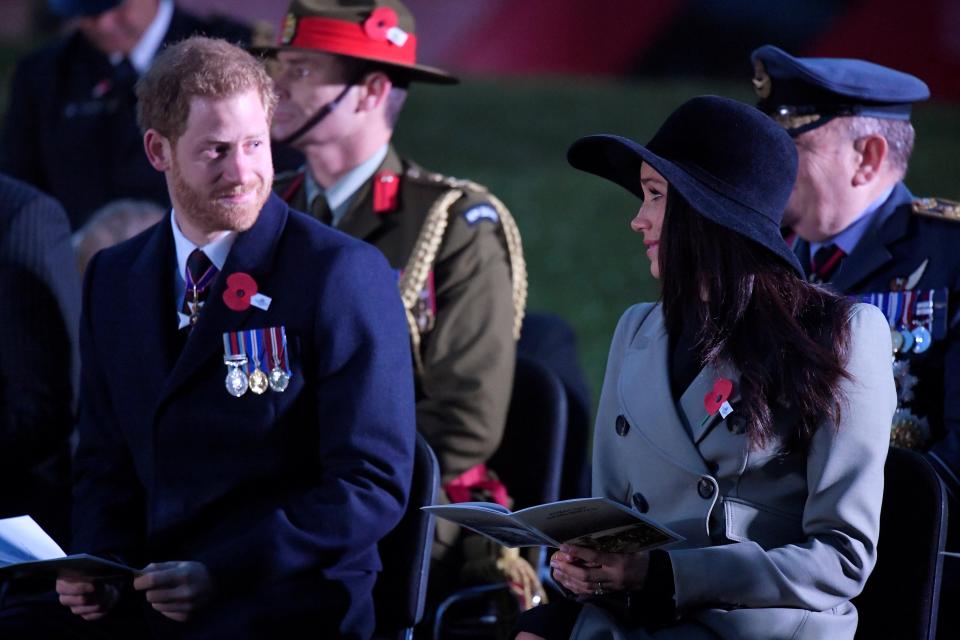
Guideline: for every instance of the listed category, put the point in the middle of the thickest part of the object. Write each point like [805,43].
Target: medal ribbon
[277,340]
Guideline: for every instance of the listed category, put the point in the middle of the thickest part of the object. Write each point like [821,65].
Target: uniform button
[640,503]
[705,488]
[622,426]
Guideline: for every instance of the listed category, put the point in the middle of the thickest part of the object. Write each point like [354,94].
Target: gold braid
[421,261]
[425,250]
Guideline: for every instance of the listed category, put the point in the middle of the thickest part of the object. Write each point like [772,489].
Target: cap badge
[289,29]
[762,83]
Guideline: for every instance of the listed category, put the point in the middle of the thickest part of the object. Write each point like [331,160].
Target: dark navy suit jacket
[895,245]
[71,128]
[39,319]
[283,496]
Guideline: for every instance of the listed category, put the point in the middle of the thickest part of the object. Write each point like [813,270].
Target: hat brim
[413,73]
[618,159]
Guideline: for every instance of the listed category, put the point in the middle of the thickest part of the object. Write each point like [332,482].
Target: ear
[159,150]
[374,89]
[872,152]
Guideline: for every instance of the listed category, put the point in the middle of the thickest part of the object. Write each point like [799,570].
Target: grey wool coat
[776,543]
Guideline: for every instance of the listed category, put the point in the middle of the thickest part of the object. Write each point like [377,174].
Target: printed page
[22,540]
[496,524]
[597,523]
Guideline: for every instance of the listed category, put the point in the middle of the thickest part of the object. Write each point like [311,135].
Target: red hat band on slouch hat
[378,38]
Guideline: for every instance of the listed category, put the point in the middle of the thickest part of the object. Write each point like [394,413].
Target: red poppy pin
[380,22]
[240,288]
[718,395]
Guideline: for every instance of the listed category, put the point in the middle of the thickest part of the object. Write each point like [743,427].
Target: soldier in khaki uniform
[342,70]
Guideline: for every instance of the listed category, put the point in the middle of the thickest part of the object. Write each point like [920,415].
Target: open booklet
[595,523]
[27,550]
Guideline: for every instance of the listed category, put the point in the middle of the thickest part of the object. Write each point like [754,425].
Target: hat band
[350,39]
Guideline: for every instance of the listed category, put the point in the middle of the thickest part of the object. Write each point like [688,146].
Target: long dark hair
[787,337]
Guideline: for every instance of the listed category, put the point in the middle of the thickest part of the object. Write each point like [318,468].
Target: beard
[207,209]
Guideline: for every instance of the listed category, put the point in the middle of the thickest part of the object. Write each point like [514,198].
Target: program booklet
[594,523]
[27,550]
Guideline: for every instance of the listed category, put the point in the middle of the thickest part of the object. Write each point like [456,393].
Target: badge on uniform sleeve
[481,212]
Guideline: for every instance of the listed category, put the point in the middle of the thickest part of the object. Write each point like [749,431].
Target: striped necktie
[825,263]
[199,274]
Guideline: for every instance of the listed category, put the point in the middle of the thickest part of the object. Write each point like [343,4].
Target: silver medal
[279,380]
[897,340]
[922,339]
[907,340]
[236,380]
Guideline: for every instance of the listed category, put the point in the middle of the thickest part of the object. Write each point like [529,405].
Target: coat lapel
[692,406]
[253,254]
[360,221]
[644,390]
[152,308]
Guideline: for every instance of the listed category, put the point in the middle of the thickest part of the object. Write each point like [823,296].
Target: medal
[922,339]
[280,373]
[236,381]
[254,344]
[907,340]
[279,379]
[897,340]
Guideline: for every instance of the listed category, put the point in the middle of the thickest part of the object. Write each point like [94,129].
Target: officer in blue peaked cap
[806,93]
[856,228]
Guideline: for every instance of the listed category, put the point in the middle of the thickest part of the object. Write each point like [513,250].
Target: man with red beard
[247,421]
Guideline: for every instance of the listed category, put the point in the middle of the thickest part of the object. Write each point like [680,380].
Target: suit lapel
[253,254]
[152,308]
[644,390]
[360,221]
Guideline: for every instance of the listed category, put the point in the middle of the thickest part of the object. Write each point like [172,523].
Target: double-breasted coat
[777,543]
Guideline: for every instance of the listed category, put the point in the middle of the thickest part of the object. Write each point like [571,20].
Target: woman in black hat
[747,410]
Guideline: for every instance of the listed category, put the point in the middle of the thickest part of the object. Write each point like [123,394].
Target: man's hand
[88,599]
[588,572]
[175,589]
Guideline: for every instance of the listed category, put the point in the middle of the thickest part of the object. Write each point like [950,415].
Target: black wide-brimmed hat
[733,164]
[380,31]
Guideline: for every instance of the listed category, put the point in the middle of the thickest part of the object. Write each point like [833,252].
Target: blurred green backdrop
[512,135]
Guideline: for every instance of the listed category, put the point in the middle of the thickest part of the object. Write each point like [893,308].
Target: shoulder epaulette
[937,208]
[427,246]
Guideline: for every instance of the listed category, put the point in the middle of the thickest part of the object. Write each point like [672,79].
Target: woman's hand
[588,572]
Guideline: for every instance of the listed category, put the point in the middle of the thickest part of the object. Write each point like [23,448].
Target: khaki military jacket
[466,314]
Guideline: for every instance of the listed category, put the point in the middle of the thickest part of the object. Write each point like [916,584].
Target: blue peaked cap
[74,8]
[805,93]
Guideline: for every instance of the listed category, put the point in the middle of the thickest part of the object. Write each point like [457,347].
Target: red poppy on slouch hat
[379,31]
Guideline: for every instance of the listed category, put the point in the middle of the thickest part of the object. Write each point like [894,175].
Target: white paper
[22,540]
[261,301]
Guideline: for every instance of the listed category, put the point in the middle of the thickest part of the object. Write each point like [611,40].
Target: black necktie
[825,263]
[124,73]
[199,274]
[320,210]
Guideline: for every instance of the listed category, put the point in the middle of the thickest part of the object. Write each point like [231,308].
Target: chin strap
[322,113]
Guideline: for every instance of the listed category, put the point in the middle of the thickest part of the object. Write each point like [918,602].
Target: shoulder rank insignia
[937,208]
[481,212]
